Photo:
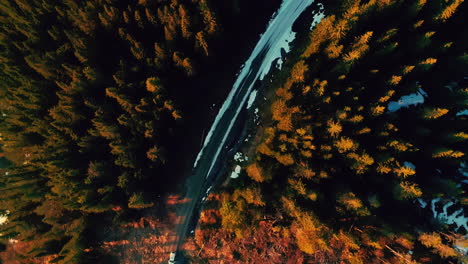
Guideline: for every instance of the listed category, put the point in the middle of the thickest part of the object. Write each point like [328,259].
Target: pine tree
[201,42]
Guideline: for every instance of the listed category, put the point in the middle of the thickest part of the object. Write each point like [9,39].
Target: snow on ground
[198,158]
[463,113]
[422,203]
[206,194]
[237,156]
[407,100]
[252,97]
[268,48]
[279,63]
[458,218]
[256,116]
[283,46]
[409,165]
[422,91]
[318,16]
[240,157]
[235,174]
[279,32]
[276,38]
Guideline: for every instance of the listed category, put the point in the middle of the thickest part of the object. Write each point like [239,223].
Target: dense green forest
[362,127]
[95,98]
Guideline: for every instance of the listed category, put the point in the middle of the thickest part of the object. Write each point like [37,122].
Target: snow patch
[235,174]
[279,63]
[422,92]
[462,113]
[256,116]
[252,97]
[318,16]
[458,218]
[206,194]
[237,156]
[198,158]
[407,100]
[281,46]
[240,157]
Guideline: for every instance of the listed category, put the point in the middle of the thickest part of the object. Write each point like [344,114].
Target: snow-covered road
[273,42]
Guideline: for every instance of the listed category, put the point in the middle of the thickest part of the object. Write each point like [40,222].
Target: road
[226,125]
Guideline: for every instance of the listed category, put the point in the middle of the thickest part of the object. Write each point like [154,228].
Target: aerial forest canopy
[89,100]
[362,138]
[366,125]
